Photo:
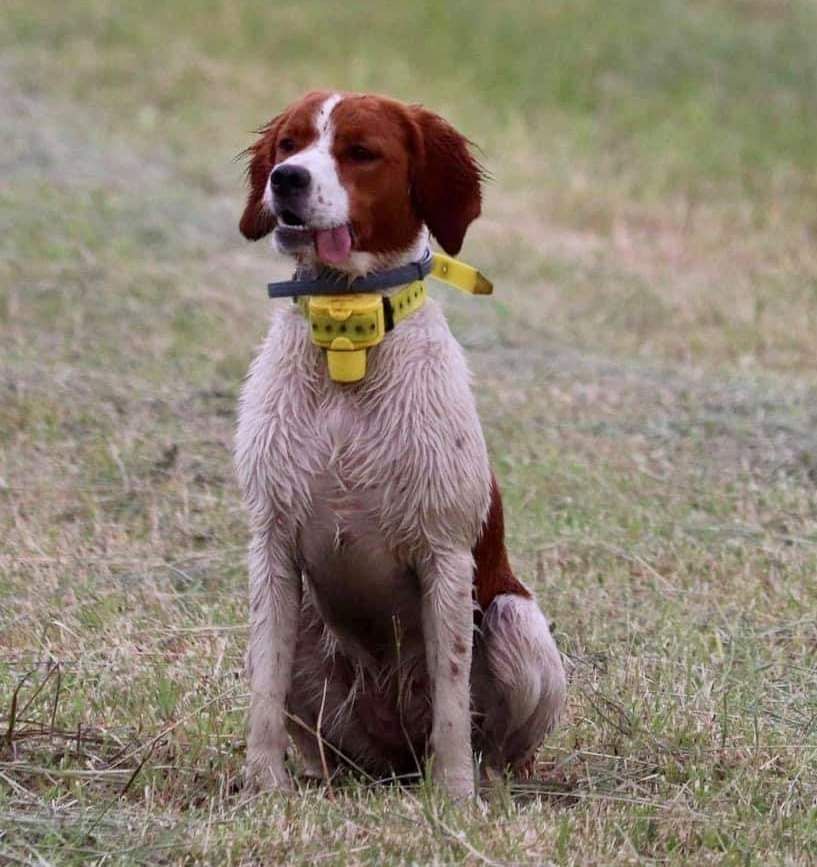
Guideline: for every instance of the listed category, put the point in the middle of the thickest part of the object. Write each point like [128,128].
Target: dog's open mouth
[333,245]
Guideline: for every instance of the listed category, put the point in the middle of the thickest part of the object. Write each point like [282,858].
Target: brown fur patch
[493,574]
[421,170]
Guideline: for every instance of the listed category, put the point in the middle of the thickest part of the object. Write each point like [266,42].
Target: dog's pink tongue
[333,245]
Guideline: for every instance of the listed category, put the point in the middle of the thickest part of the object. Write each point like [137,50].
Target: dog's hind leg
[518,681]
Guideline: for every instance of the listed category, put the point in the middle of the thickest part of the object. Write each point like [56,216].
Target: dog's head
[353,180]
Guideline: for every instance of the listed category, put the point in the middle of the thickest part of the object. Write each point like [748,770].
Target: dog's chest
[357,566]
[378,472]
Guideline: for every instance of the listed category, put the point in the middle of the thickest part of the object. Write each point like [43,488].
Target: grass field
[646,377]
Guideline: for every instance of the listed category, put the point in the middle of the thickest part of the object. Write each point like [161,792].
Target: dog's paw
[459,789]
[457,786]
[263,775]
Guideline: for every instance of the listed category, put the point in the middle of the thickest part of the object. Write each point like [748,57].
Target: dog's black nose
[286,180]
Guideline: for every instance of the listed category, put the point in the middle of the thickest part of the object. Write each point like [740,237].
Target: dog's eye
[286,145]
[360,154]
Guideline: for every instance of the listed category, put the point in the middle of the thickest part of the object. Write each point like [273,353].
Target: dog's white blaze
[328,203]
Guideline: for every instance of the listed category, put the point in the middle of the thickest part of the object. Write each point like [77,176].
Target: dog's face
[352,180]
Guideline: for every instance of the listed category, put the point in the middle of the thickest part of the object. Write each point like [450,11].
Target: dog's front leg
[448,623]
[275,601]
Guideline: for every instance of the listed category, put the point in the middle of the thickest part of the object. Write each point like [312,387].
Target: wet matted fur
[382,600]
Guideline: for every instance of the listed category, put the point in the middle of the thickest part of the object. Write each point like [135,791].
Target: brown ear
[445,180]
[257,221]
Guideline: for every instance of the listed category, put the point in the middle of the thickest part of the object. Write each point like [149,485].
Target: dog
[386,624]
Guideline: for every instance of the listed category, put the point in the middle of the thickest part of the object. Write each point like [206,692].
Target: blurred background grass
[683,129]
[645,373]
[691,90]
[706,91]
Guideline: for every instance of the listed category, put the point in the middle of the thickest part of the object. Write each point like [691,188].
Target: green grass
[645,375]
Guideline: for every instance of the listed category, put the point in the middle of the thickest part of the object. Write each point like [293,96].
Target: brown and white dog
[384,611]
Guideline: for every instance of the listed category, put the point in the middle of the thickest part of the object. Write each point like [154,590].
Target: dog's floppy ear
[257,221]
[446,179]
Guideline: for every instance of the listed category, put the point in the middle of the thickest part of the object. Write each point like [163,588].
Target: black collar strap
[330,282]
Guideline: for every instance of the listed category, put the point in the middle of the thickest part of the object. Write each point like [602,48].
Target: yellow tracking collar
[346,326]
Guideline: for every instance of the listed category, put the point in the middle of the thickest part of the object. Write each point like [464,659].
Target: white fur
[328,202]
[519,681]
[406,446]
[371,496]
